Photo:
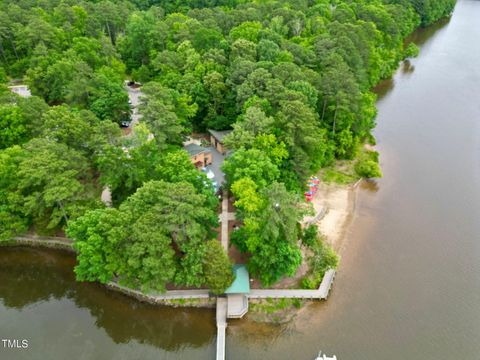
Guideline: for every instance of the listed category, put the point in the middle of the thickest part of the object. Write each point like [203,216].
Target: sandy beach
[338,204]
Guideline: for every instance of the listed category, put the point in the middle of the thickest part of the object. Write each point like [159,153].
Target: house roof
[219,135]
[21,90]
[194,149]
[241,284]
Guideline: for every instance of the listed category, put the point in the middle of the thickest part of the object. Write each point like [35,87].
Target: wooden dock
[221,327]
[326,283]
[320,293]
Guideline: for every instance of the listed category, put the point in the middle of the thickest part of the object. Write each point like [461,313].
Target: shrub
[411,51]
[322,259]
[310,235]
[368,168]
[218,268]
[3,76]
[309,283]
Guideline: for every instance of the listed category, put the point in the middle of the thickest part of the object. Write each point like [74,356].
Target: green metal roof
[241,284]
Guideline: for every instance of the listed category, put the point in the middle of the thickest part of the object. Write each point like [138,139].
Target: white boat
[325,357]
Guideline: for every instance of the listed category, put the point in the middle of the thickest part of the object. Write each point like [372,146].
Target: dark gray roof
[194,149]
[219,135]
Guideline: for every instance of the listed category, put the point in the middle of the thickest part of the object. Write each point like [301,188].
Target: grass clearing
[342,173]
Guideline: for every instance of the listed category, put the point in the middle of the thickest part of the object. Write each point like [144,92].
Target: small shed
[237,300]
[217,138]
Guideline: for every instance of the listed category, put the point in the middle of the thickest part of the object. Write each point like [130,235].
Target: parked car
[134,84]
[125,124]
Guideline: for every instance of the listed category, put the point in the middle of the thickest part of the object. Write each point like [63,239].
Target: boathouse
[237,293]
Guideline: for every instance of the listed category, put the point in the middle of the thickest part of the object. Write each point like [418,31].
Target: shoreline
[339,204]
[64,244]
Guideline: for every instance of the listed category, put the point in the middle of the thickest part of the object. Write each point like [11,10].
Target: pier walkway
[320,293]
[224,218]
[221,327]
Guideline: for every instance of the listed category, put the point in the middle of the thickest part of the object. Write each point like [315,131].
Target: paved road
[134,95]
[217,162]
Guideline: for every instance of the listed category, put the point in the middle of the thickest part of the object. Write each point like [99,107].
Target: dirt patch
[126,131]
[236,256]
[231,207]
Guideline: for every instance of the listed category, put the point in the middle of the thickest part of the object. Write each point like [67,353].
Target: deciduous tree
[218,268]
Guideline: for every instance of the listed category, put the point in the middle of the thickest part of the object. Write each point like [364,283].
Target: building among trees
[21,90]
[199,155]
[217,140]
[237,292]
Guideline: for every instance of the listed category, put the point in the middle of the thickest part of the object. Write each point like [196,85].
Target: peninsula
[213,156]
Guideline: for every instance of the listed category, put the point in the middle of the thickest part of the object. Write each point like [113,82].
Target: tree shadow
[32,276]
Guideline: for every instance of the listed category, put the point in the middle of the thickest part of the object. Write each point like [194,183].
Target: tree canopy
[291,79]
[157,236]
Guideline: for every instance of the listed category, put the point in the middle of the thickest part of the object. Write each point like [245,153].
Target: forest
[292,79]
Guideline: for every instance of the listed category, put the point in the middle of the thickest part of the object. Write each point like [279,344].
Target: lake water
[409,282]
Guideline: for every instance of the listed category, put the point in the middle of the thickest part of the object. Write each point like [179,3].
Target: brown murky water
[409,283]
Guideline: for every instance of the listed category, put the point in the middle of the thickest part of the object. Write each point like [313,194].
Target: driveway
[217,161]
[134,95]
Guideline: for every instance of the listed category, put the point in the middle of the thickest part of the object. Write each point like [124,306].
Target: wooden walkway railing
[320,293]
[319,216]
